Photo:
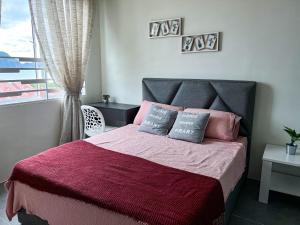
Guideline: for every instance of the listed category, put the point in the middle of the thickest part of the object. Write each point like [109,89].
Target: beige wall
[29,128]
[260,43]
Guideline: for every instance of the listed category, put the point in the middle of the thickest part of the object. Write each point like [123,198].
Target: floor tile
[281,210]
[237,220]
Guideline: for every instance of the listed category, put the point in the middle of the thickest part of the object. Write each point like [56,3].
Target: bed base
[27,219]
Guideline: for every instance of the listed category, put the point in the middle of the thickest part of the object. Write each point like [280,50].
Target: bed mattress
[222,160]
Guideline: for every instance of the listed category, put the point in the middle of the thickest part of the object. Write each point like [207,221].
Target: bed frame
[225,95]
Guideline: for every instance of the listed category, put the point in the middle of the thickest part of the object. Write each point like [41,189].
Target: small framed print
[211,41]
[174,27]
[154,29]
[187,43]
[199,43]
[208,42]
[165,28]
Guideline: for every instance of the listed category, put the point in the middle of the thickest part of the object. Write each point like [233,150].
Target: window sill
[27,101]
[38,101]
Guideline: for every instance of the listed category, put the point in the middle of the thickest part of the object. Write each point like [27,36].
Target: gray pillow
[189,127]
[158,120]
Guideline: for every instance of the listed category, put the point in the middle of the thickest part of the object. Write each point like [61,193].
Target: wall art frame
[206,42]
[166,28]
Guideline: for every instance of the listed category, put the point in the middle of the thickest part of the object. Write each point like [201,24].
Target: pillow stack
[221,125]
[192,124]
[145,107]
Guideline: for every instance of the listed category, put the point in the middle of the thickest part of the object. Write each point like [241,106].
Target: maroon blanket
[129,185]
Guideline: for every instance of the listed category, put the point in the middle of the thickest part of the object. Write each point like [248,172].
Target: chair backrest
[93,120]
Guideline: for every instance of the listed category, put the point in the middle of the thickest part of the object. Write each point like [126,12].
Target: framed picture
[208,42]
[199,42]
[175,27]
[165,28]
[187,43]
[154,29]
[211,41]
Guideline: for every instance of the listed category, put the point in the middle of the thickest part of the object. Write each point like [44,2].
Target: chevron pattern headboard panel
[225,95]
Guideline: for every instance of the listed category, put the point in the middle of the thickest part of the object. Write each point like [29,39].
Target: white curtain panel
[63,29]
[0,10]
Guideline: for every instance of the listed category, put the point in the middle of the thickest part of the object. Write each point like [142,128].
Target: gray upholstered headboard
[225,95]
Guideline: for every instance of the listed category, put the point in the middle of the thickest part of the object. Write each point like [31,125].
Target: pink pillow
[145,106]
[221,125]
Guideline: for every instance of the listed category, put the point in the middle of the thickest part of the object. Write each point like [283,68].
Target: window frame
[36,82]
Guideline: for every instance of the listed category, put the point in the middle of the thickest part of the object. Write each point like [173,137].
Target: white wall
[93,77]
[29,128]
[26,129]
[260,43]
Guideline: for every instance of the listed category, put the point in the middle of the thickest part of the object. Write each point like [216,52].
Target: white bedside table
[275,181]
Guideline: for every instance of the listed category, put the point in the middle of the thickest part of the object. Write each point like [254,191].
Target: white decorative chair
[93,120]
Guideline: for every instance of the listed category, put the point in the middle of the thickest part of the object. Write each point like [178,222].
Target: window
[22,74]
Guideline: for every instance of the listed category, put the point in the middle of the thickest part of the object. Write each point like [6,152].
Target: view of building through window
[22,74]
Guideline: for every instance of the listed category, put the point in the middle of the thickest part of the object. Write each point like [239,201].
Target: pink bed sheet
[222,160]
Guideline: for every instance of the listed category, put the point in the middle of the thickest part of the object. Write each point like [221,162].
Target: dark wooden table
[117,114]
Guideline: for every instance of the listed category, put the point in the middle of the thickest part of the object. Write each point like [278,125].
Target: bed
[229,165]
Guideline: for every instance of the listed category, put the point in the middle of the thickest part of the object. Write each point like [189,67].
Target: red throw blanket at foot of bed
[146,191]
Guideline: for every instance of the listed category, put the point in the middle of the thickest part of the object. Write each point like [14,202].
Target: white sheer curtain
[0,10]
[63,29]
